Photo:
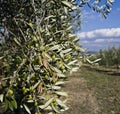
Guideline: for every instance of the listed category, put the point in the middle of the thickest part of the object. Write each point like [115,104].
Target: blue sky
[99,33]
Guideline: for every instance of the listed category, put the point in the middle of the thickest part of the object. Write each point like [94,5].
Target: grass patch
[106,88]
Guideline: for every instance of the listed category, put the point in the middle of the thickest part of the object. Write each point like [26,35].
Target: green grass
[106,88]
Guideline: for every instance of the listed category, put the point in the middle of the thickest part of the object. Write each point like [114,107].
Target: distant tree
[110,56]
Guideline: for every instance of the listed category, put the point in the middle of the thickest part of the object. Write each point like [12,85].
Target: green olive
[46,76]
[62,67]
[10,92]
[36,103]
[30,97]
[68,56]
[34,38]
[38,113]
[53,57]
[24,90]
[31,89]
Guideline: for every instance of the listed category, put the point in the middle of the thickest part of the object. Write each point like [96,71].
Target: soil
[81,99]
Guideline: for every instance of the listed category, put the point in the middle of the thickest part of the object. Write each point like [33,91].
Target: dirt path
[81,100]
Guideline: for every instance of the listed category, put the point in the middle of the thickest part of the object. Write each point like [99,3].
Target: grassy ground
[81,99]
[106,89]
[93,92]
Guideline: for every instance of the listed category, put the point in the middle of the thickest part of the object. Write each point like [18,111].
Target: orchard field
[93,92]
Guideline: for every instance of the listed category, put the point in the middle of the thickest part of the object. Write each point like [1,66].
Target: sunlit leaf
[26,108]
[66,51]
[35,86]
[1,97]
[51,16]
[60,75]
[16,41]
[54,87]
[61,93]
[46,104]
[62,104]
[59,83]
[55,47]
[30,24]
[72,62]
[55,109]
[68,4]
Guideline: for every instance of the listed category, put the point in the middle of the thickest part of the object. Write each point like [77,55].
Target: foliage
[110,56]
[39,49]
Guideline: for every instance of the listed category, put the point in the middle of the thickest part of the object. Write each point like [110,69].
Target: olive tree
[39,49]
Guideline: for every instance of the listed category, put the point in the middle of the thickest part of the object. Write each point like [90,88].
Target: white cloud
[101,33]
[85,42]
[109,40]
[99,40]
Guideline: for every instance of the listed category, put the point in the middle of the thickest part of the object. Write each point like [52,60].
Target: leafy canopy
[39,49]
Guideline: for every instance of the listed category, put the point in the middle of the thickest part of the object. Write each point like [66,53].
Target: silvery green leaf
[61,75]
[37,67]
[27,109]
[53,87]
[1,97]
[59,102]
[66,51]
[72,62]
[56,87]
[59,30]
[55,109]
[72,35]
[97,60]
[48,108]
[74,7]
[46,104]
[68,4]
[36,85]
[59,50]
[55,47]
[16,41]
[76,39]
[2,57]
[51,16]
[55,69]
[69,28]
[110,1]
[67,66]
[61,54]
[74,69]
[59,83]
[30,101]
[91,62]
[66,10]
[61,93]
[48,56]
